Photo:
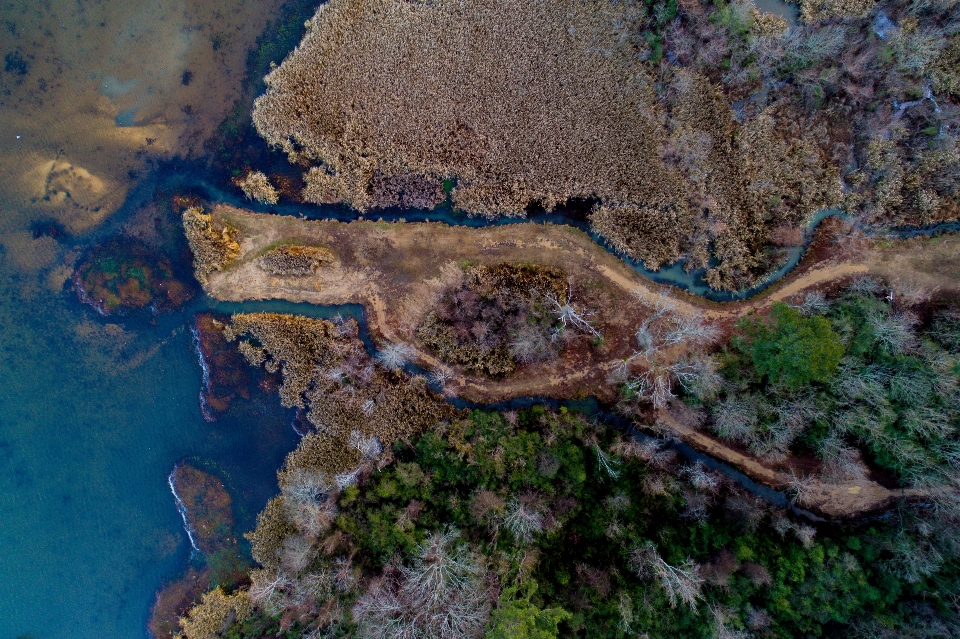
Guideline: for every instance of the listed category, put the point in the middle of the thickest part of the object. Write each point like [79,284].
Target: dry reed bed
[534,102]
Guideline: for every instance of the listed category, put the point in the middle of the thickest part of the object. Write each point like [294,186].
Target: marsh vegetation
[708,132]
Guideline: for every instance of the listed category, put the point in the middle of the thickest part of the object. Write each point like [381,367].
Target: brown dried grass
[537,103]
[296,345]
[291,259]
[214,245]
[520,101]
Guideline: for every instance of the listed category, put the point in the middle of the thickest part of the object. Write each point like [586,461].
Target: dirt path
[833,500]
[398,270]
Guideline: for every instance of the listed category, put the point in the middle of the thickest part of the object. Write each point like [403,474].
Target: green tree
[519,618]
[791,349]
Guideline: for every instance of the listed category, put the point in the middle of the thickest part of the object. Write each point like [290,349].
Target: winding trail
[398,270]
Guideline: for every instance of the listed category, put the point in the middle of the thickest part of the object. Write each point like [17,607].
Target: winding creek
[675,274]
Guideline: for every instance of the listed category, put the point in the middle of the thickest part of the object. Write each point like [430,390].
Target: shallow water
[95,412]
[93,416]
[787,10]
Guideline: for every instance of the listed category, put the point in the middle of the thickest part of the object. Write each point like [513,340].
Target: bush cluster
[256,186]
[495,525]
[857,380]
[214,245]
[292,259]
[497,317]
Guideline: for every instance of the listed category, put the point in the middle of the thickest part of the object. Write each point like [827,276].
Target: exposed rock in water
[126,274]
[205,507]
[225,375]
[174,600]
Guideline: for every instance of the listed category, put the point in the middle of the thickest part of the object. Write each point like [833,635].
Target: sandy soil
[397,271]
[93,91]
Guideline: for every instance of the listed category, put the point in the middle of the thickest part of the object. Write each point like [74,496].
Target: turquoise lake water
[95,412]
[88,435]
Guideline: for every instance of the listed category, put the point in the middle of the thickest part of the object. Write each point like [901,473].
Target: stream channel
[673,275]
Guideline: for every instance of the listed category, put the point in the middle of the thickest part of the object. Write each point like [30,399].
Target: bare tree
[441,376]
[625,608]
[369,447]
[690,328]
[805,534]
[841,462]
[657,485]
[607,464]
[682,583]
[913,558]
[267,589]
[758,619]
[721,629]
[696,505]
[652,452]
[649,333]
[893,332]
[523,519]
[698,376]
[665,327]
[801,487]
[308,500]
[865,285]
[701,478]
[438,596]
[927,422]
[736,419]
[653,385]
[531,345]
[813,304]
[395,356]
[347,478]
[298,552]
[910,295]
[572,315]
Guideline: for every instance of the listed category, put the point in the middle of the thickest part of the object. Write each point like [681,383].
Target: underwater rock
[205,506]
[126,274]
[225,373]
[174,600]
